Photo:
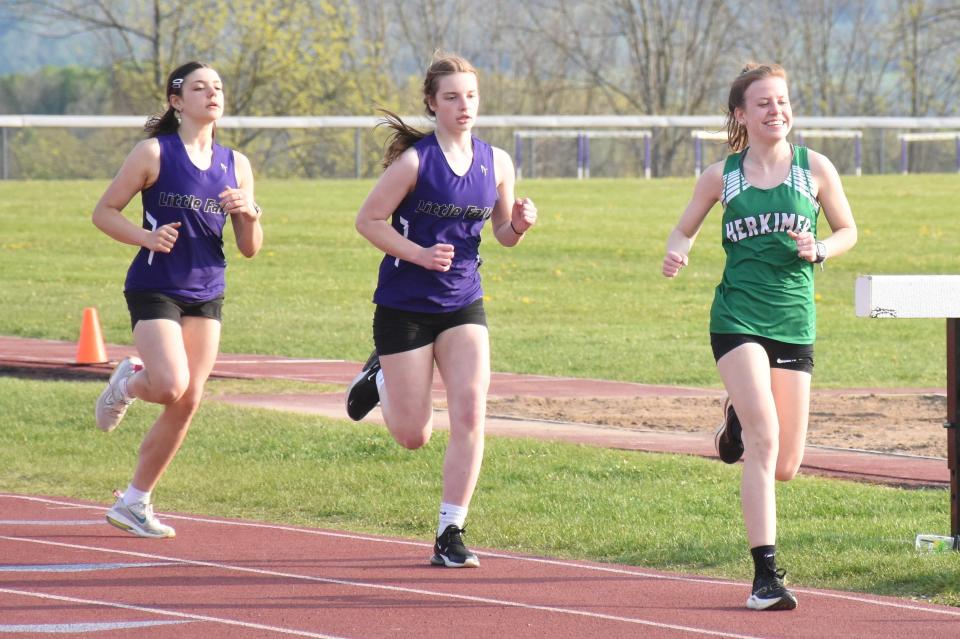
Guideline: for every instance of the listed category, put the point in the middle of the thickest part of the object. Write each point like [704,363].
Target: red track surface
[59,564]
[63,570]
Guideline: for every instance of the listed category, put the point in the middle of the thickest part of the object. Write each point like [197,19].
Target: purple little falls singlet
[194,270]
[443,208]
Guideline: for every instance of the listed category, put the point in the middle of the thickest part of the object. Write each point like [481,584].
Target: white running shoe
[138,519]
[112,403]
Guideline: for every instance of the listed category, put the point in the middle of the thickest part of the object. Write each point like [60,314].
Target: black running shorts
[396,331]
[146,306]
[794,357]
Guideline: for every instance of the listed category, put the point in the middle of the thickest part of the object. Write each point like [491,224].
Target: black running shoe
[449,550]
[769,593]
[729,436]
[362,394]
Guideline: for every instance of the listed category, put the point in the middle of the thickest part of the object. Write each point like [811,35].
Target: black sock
[764,560]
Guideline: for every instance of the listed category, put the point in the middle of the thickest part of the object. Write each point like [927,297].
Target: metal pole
[697,156]
[903,156]
[580,156]
[533,157]
[858,156]
[356,152]
[518,154]
[953,424]
[586,156]
[646,157]
[958,153]
[883,160]
[6,173]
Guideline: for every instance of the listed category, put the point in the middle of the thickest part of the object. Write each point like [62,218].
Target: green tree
[277,57]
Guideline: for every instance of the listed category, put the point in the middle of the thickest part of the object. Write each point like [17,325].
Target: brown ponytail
[736,132]
[402,138]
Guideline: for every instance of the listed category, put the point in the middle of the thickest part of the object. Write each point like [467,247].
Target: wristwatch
[259,211]
[821,253]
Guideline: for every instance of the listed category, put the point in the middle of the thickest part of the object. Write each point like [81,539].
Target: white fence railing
[703,128]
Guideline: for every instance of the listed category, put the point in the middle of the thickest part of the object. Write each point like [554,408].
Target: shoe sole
[352,414]
[441,560]
[135,362]
[124,525]
[719,433]
[781,603]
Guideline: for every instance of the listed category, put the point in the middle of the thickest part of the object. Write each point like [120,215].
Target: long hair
[168,122]
[736,132]
[404,136]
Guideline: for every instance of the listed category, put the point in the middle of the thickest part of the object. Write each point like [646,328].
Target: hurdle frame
[583,145]
[855,134]
[925,296]
[906,138]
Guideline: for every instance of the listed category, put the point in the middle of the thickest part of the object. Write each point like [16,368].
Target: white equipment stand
[927,296]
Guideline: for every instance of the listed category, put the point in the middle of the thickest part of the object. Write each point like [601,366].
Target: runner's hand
[163,238]
[438,257]
[806,245]
[237,202]
[523,215]
[673,262]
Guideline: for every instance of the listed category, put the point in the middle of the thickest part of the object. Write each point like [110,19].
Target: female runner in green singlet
[763,318]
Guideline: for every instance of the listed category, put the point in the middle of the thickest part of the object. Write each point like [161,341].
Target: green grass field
[582,296]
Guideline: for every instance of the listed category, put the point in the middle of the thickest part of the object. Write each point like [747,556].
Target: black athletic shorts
[794,357]
[396,331]
[147,306]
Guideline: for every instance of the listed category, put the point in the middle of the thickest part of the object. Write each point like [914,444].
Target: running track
[63,570]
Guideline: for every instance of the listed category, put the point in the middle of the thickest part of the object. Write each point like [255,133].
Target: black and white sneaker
[449,550]
[729,436]
[770,593]
[362,394]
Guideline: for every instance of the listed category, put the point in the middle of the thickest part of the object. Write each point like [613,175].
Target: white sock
[451,514]
[133,495]
[381,391]
[380,382]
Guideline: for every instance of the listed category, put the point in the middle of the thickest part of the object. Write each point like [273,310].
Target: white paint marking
[51,522]
[227,360]
[360,584]
[170,613]
[81,567]
[73,628]
[550,562]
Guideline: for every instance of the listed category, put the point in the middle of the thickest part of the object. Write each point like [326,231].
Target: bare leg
[791,391]
[405,399]
[463,358]
[746,374]
[177,363]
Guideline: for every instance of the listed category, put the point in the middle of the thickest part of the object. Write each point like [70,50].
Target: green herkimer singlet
[766,289]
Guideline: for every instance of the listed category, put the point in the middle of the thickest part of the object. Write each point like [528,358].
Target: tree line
[347,57]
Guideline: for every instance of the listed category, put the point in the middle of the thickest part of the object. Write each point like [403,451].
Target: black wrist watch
[821,253]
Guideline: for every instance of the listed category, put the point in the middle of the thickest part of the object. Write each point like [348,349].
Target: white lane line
[81,567]
[538,560]
[170,613]
[50,522]
[74,628]
[401,589]
[279,361]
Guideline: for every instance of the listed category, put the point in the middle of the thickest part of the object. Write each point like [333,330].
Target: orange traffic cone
[90,349]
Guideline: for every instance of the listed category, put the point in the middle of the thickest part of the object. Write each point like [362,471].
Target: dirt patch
[910,424]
